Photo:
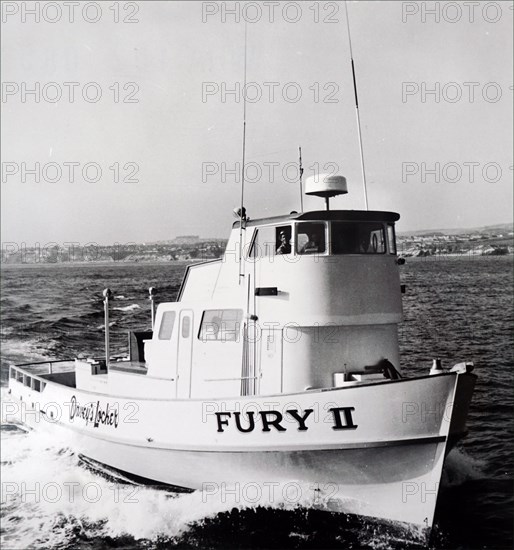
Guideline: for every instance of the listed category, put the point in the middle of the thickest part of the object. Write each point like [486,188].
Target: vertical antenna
[151,297]
[107,294]
[242,211]
[301,174]
[357,110]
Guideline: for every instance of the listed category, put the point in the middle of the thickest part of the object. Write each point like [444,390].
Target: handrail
[29,377]
[230,379]
[34,363]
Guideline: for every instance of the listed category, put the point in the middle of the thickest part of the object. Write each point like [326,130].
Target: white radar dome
[326,185]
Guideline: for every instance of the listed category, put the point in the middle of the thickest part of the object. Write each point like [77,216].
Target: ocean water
[455,309]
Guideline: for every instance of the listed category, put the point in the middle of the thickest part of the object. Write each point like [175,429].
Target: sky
[135,137]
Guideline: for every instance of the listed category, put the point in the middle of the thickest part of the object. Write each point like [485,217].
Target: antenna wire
[357,110]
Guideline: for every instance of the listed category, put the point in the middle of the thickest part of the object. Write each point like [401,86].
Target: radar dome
[326,185]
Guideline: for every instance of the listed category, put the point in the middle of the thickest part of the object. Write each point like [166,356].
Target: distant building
[187,239]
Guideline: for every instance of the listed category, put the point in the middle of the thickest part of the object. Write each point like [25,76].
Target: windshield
[358,238]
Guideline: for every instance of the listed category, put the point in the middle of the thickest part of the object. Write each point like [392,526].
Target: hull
[375,450]
[396,483]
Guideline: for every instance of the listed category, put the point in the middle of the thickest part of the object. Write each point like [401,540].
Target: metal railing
[33,364]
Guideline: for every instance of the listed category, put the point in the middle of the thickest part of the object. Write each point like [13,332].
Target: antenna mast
[242,215]
[301,174]
[357,110]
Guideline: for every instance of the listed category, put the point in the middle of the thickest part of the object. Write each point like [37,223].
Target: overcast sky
[164,119]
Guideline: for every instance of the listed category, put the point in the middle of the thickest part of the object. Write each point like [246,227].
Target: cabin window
[271,240]
[186,326]
[283,239]
[221,325]
[310,238]
[391,239]
[254,246]
[358,238]
[167,322]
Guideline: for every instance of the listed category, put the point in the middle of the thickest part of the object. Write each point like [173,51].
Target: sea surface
[455,309]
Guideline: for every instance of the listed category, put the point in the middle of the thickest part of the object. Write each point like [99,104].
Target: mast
[357,110]
[301,174]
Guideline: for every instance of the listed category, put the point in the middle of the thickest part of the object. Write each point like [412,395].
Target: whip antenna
[357,109]
[242,214]
[301,174]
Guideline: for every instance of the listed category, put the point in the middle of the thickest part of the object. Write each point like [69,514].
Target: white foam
[460,467]
[6,331]
[46,493]
[101,327]
[26,350]
[131,307]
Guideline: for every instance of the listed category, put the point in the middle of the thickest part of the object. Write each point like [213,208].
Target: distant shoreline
[179,263]
[97,263]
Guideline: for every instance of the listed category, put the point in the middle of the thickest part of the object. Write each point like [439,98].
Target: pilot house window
[221,325]
[271,240]
[358,238]
[283,239]
[391,239]
[310,238]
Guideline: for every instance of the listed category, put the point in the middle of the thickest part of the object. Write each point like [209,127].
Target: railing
[230,379]
[34,380]
[34,364]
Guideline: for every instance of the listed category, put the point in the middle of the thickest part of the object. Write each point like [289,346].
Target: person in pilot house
[284,246]
[312,245]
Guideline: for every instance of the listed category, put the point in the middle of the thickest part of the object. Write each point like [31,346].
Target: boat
[277,366]
[276,371]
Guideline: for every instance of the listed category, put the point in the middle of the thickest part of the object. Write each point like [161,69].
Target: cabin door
[185,353]
[271,362]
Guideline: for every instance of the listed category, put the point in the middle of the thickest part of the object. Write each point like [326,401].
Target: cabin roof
[330,215]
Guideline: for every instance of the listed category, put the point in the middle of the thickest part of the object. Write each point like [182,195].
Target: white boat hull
[375,450]
[397,483]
